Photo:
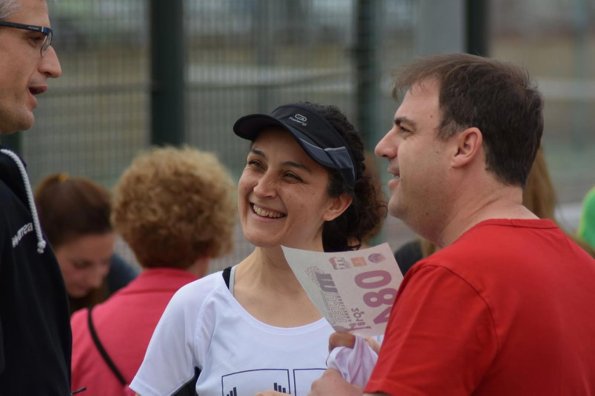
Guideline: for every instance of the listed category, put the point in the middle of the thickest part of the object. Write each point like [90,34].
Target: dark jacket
[35,337]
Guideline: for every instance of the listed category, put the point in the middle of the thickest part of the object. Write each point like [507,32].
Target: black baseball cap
[319,139]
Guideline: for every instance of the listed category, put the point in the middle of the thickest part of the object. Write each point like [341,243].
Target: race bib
[353,290]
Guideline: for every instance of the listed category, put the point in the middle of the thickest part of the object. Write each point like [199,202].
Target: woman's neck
[268,268]
[267,288]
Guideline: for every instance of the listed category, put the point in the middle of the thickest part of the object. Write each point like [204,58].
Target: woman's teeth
[266,213]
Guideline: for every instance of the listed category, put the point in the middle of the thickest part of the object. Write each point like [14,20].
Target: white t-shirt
[204,326]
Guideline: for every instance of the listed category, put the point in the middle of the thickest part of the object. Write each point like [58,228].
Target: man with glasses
[35,339]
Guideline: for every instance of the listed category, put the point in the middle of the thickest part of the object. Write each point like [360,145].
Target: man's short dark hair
[498,98]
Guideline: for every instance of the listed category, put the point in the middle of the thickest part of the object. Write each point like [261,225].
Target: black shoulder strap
[108,360]
[189,388]
[226,274]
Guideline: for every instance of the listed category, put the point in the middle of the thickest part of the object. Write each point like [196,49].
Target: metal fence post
[368,18]
[367,68]
[477,27]
[167,72]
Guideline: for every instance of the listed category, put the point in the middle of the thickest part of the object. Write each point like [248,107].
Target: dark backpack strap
[226,274]
[108,360]
[189,388]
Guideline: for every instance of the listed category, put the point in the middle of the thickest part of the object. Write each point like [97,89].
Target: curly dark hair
[368,208]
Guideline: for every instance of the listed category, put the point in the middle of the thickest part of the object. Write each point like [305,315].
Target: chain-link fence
[244,56]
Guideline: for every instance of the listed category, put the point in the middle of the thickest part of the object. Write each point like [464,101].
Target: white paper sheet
[353,290]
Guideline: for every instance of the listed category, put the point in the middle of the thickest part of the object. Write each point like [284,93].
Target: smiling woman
[251,327]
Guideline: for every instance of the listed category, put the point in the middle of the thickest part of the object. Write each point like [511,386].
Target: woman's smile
[264,212]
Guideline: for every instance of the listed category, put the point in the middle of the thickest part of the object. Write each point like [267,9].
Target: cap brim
[334,156]
[248,127]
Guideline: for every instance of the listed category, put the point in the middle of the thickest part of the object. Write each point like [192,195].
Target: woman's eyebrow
[257,151]
[294,164]
[291,164]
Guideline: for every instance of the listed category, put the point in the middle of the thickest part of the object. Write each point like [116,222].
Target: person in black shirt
[35,338]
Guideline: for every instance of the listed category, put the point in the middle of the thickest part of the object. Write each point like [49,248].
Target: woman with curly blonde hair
[175,209]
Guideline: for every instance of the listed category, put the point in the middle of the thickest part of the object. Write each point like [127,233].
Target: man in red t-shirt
[506,306]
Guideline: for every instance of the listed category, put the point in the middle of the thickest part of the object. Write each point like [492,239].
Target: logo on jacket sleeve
[24,230]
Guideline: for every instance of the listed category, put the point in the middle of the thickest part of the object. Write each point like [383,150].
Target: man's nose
[50,64]
[384,147]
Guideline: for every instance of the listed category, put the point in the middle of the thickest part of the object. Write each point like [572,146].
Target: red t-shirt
[508,309]
[124,324]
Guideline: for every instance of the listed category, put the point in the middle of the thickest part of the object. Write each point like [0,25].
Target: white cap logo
[300,119]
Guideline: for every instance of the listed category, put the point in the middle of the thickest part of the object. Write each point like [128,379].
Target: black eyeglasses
[47,32]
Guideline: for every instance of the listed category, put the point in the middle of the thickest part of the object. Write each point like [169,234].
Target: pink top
[124,324]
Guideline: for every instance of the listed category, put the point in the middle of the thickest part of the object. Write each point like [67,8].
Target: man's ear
[468,146]
[337,207]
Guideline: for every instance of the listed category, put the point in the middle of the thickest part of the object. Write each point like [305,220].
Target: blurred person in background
[252,326]
[35,339]
[586,228]
[75,215]
[175,208]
